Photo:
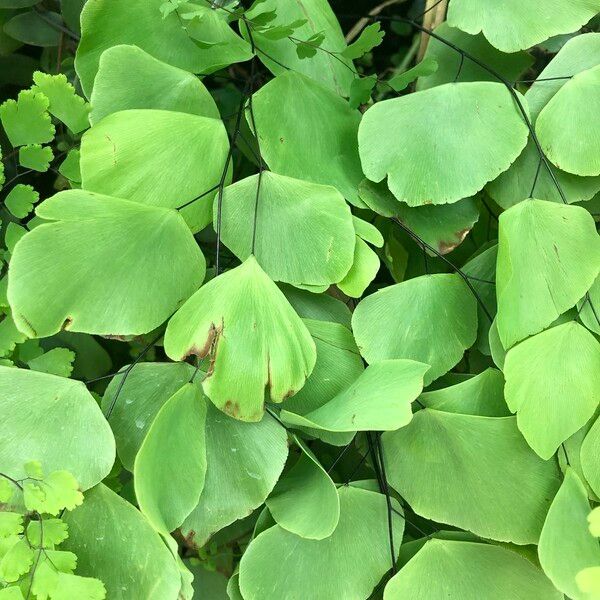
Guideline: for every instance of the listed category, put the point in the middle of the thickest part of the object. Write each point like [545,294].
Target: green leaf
[36,157]
[566,545]
[451,68]
[53,493]
[579,96]
[370,37]
[360,90]
[73,586]
[590,449]
[482,395]
[13,234]
[6,490]
[348,564]
[108,23]
[124,156]
[323,124]
[11,593]
[146,389]
[11,523]
[32,28]
[121,80]
[17,561]
[26,120]
[65,104]
[20,200]
[168,484]
[363,270]
[320,307]
[308,48]
[379,400]
[304,231]
[47,532]
[481,269]
[588,581]
[465,112]
[338,365]
[307,18]
[444,227]
[115,543]
[56,419]
[548,257]
[514,25]
[140,263]
[445,569]
[237,320]
[244,462]
[431,319]
[578,54]
[58,361]
[305,500]
[552,383]
[69,168]
[428,66]
[589,308]
[472,472]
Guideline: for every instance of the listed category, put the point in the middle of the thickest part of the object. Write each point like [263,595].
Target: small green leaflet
[370,37]
[26,120]
[427,66]
[308,48]
[36,157]
[20,200]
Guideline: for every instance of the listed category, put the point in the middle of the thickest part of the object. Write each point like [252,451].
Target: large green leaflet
[548,257]
[379,400]
[121,84]
[526,176]
[107,23]
[590,448]
[472,472]
[464,114]
[244,462]
[146,388]
[461,570]
[168,484]
[405,321]
[37,408]
[106,266]
[123,155]
[303,231]
[566,544]
[514,25]
[338,365]
[348,564]
[254,339]
[481,395]
[322,123]
[577,104]
[115,543]
[279,55]
[305,500]
[444,226]
[552,383]
[451,68]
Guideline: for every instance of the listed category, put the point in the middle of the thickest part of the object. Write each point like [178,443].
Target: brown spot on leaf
[114,149]
[67,323]
[32,329]
[232,408]
[445,247]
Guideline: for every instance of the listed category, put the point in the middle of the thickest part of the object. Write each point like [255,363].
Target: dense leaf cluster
[297,303]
